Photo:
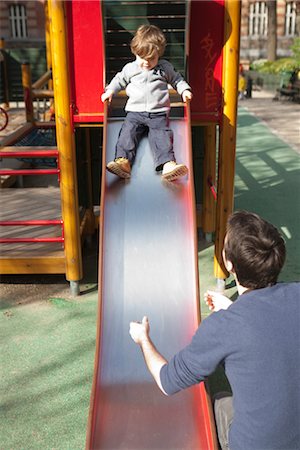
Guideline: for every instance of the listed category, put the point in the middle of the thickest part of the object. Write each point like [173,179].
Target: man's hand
[107,95]
[186,95]
[139,331]
[216,301]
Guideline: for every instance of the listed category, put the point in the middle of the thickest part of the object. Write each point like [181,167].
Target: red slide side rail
[29,172]
[24,223]
[30,240]
[30,154]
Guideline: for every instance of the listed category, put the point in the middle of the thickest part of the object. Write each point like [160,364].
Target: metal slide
[148,266]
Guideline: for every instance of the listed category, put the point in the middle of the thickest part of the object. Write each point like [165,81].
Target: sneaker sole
[176,173]
[117,170]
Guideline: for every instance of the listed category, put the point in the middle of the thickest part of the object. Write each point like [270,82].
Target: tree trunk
[298,19]
[272,30]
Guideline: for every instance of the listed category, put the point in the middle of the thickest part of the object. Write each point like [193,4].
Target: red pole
[27,240]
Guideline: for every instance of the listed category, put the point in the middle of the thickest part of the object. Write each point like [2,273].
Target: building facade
[254,27]
[22,23]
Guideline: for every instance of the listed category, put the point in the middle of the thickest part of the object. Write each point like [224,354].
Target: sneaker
[120,167]
[172,171]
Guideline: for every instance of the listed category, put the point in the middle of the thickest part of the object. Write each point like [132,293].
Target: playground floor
[48,338]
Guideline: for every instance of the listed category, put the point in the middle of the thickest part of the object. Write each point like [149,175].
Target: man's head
[148,45]
[253,249]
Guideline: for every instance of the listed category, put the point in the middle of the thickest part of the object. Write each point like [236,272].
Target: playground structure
[75,51]
[45,236]
[217,82]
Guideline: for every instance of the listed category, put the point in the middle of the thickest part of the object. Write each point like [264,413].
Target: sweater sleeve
[198,359]
[175,79]
[120,80]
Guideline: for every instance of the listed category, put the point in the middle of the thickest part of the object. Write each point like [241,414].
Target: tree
[298,18]
[272,30]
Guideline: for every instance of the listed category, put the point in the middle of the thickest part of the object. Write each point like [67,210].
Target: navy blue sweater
[258,340]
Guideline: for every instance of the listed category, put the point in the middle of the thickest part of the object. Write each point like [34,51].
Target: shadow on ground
[267,182]
[25,289]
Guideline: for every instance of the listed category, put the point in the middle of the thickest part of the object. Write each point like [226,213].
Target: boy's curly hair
[148,40]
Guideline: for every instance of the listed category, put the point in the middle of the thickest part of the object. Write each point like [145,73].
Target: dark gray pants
[223,408]
[135,126]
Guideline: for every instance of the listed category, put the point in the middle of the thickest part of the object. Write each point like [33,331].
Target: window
[290,19]
[18,21]
[258,19]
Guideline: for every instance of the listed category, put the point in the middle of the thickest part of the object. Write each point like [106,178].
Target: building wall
[27,45]
[255,47]
[35,19]
[251,47]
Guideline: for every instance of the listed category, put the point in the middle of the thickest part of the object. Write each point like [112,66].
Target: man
[256,338]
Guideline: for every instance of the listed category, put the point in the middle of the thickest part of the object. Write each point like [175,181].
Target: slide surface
[148,266]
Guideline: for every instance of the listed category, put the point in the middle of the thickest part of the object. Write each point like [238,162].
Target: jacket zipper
[147,90]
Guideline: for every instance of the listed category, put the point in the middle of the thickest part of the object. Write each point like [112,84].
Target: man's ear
[229,265]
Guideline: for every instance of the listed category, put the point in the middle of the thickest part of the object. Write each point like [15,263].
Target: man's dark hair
[255,248]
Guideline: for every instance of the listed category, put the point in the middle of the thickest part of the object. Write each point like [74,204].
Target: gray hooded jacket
[148,89]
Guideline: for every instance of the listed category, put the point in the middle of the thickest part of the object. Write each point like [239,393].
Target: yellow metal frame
[227,147]
[27,88]
[29,265]
[48,42]
[65,141]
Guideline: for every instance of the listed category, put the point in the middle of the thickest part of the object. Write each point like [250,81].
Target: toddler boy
[146,81]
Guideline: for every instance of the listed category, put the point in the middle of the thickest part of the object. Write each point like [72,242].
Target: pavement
[281,117]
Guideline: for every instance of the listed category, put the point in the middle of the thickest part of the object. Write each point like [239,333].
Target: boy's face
[147,63]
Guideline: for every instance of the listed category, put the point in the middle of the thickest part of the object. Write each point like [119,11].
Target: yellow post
[4,71]
[209,175]
[27,89]
[66,145]
[226,162]
[48,42]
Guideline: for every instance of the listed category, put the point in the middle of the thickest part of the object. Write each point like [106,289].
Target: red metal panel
[205,58]
[86,59]
[13,223]
[29,172]
[29,154]
[29,240]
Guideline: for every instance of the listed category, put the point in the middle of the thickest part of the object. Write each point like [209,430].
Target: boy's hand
[216,301]
[107,95]
[139,331]
[187,95]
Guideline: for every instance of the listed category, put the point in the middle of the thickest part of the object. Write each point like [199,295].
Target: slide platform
[148,266]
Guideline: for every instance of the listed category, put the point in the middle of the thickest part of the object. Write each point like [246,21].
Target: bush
[280,65]
[258,64]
